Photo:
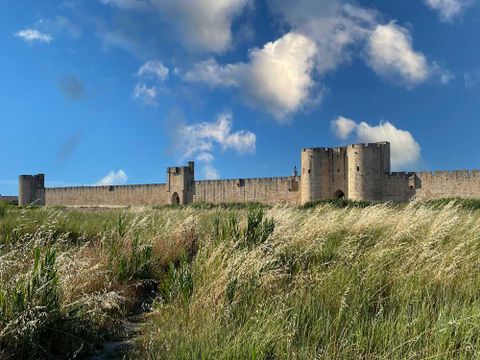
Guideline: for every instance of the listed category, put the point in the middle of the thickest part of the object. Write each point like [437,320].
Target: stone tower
[31,190]
[355,172]
[324,174]
[181,184]
[367,165]
[311,172]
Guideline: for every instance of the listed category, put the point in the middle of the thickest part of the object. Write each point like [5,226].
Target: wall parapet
[450,173]
[86,187]
[400,174]
[248,180]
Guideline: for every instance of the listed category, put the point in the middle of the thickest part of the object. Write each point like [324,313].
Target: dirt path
[118,349]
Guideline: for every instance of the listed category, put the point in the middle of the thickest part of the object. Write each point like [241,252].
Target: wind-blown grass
[376,283]
[68,279]
[326,281]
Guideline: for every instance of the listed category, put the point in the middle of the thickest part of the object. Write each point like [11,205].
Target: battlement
[449,174]
[381,144]
[103,187]
[248,180]
[400,174]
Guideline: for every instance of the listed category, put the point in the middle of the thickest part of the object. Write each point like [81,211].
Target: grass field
[326,281]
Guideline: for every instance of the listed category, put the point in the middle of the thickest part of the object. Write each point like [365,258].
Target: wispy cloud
[202,139]
[153,69]
[145,95]
[150,76]
[471,79]
[113,178]
[449,9]
[33,35]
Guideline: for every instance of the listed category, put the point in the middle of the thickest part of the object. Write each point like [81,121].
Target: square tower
[181,184]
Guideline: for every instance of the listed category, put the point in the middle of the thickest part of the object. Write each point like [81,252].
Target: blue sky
[114,91]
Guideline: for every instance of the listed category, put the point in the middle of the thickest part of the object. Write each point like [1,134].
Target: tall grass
[327,281]
[378,282]
[68,279]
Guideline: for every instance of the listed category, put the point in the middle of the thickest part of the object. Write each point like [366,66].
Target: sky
[99,92]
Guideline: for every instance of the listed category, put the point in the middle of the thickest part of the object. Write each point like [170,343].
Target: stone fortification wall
[120,195]
[9,199]
[446,184]
[356,172]
[278,190]
[398,187]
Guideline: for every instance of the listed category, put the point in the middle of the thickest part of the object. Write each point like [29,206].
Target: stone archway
[339,194]
[175,199]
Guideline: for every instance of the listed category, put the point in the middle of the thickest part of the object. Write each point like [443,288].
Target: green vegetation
[327,281]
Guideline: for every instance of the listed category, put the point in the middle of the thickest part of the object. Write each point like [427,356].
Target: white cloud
[340,30]
[335,27]
[203,136]
[213,74]
[145,95]
[153,68]
[391,55]
[277,79]
[149,75]
[203,25]
[113,178]
[200,140]
[449,9]
[33,35]
[280,77]
[405,150]
[343,127]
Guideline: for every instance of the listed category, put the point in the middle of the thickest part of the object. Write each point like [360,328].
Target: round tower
[367,165]
[31,190]
[26,189]
[311,170]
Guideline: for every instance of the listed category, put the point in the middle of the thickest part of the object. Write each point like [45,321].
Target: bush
[340,203]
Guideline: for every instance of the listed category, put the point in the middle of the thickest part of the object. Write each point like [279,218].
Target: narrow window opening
[358,168]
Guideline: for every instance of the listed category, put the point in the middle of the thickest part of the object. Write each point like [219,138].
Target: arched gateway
[339,194]
[175,199]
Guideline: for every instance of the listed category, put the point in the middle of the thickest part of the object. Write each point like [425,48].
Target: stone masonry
[354,172]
